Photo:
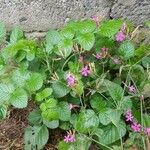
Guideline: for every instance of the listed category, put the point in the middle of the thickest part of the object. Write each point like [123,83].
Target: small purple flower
[70,137]
[85,71]
[147,131]
[129,116]
[99,56]
[136,127]
[120,37]
[71,79]
[132,89]
[104,49]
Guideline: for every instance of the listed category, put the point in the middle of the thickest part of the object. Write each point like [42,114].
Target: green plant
[85,79]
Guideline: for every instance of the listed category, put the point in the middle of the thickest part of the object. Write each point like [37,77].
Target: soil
[12,130]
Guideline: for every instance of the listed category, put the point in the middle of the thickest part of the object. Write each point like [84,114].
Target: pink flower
[129,116]
[96,19]
[132,89]
[70,137]
[147,131]
[99,56]
[71,79]
[116,60]
[136,127]
[85,71]
[120,37]
[104,49]
[81,59]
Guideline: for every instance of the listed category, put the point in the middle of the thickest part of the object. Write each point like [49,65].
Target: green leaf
[78,88]
[97,102]
[146,62]
[64,48]
[138,74]
[50,110]
[86,41]
[125,104]
[23,44]
[49,47]
[86,26]
[112,133]
[64,146]
[82,143]
[51,124]
[115,90]
[5,92]
[20,56]
[43,94]
[65,125]
[35,82]
[146,119]
[53,37]
[110,28]
[67,33]
[19,77]
[2,31]
[148,23]
[60,89]
[102,41]
[87,120]
[3,112]
[36,137]
[35,117]
[126,50]
[64,111]
[30,55]
[16,35]
[19,98]
[140,52]
[146,90]
[51,114]
[109,115]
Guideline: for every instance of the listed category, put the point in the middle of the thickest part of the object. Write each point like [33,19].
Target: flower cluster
[70,137]
[135,126]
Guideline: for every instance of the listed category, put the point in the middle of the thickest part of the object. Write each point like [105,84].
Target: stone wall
[41,15]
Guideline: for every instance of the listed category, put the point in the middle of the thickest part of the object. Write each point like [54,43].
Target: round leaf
[64,111]
[60,89]
[5,92]
[87,120]
[112,133]
[86,41]
[126,50]
[19,98]
[35,82]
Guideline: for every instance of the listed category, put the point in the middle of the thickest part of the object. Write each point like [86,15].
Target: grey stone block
[137,11]
[40,15]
